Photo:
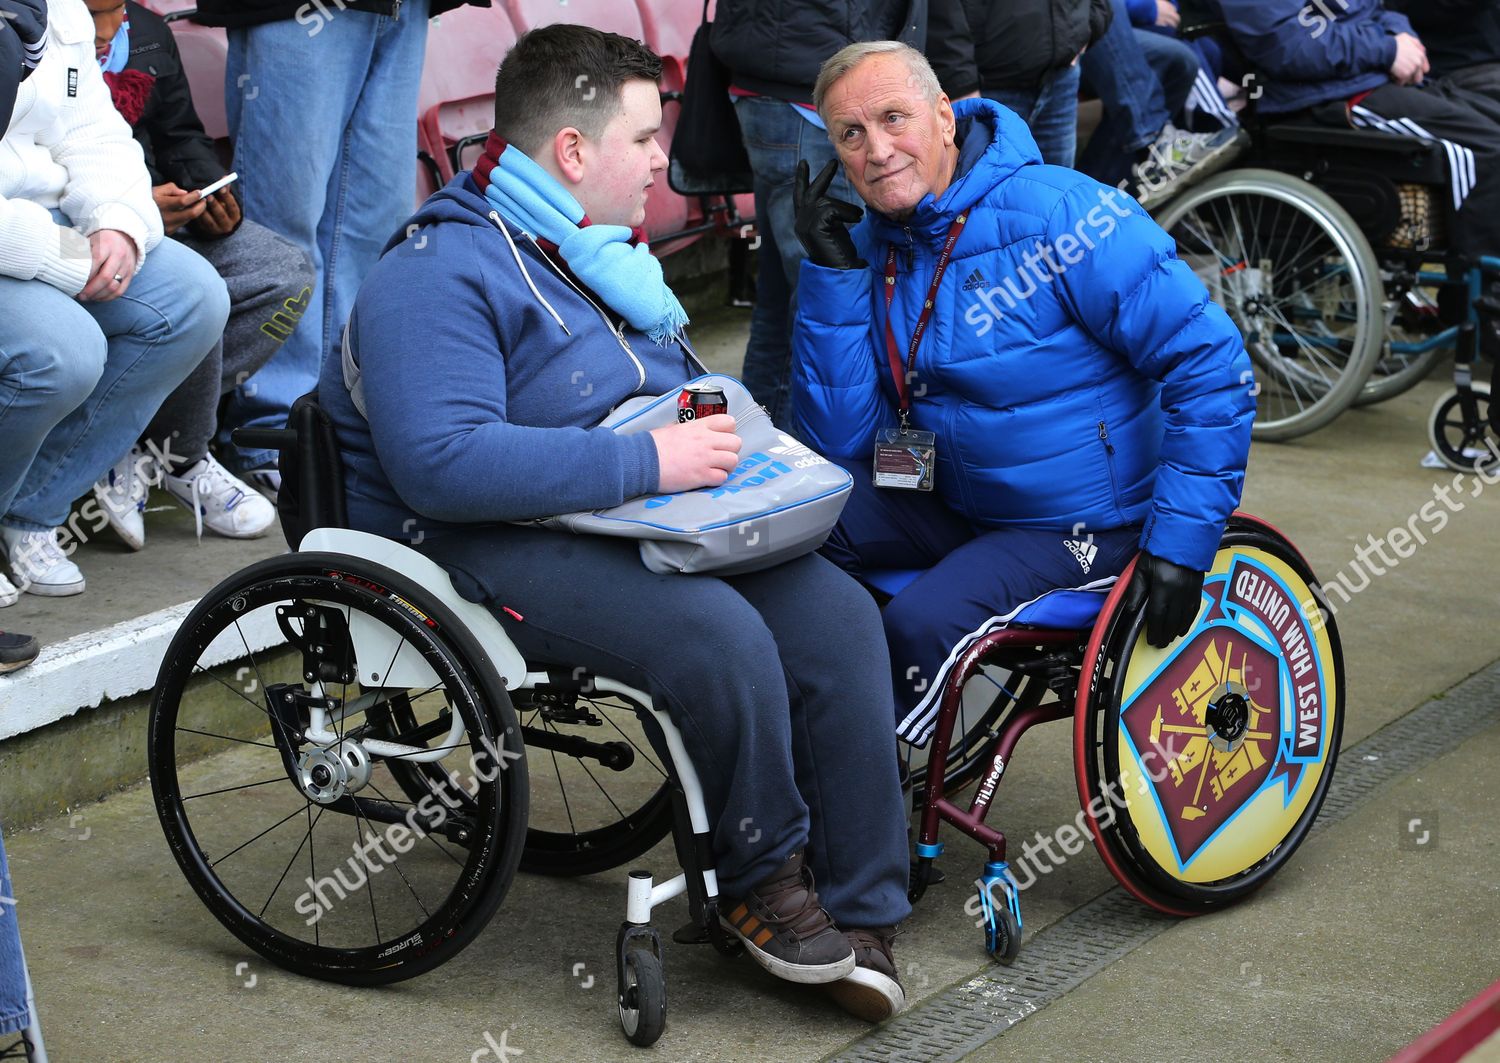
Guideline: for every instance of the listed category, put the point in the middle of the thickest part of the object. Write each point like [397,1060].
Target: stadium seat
[456,102]
[614,16]
[203,50]
[670,25]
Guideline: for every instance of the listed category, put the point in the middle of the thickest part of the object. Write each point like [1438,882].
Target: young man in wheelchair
[519,307]
[1045,388]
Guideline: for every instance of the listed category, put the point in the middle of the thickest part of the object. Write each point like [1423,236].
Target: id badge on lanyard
[905,457]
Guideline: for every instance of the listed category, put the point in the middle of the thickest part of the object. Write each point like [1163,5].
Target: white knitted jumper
[67,147]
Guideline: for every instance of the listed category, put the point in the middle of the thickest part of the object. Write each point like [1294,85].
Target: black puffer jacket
[1457,33]
[1017,43]
[776,47]
[234,13]
[168,128]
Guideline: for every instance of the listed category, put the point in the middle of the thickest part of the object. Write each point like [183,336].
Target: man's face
[895,145]
[623,162]
[108,14]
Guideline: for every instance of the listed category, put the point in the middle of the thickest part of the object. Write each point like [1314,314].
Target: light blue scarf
[609,259]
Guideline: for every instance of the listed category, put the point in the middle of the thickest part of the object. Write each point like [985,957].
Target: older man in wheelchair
[1044,387]
[517,309]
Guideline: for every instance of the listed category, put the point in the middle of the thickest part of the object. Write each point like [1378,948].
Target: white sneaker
[8,593]
[122,495]
[39,564]
[221,501]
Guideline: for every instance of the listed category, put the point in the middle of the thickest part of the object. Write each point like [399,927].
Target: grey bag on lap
[780,502]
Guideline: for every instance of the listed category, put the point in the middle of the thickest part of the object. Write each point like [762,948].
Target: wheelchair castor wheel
[643,997]
[1460,437]
[1000,906]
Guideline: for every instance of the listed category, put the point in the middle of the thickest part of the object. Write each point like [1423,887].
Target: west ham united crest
[1222,740]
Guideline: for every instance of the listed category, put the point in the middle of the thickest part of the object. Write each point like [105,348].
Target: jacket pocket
[1109,462]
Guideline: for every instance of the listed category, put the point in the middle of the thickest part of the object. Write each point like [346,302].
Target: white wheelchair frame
[372,642]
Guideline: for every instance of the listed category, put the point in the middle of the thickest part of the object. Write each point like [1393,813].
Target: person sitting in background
[20,52]
[1030,339]
[1359,64]
[1143,79]
[1462,38]
[268,279]
[78,230]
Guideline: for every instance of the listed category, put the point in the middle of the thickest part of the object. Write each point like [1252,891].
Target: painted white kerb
[87,670]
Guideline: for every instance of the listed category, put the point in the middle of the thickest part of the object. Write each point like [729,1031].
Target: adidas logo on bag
[974,281]
[790,448]
[1084,552]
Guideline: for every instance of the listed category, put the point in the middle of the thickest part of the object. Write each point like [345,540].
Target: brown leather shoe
[873,990]
[786,930]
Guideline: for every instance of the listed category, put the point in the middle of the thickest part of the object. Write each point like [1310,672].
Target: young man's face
[108,14]
[624,161]
[894,143]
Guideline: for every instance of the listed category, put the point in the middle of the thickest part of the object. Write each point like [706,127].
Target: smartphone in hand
[227,179]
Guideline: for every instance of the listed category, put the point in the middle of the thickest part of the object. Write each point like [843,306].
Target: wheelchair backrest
[312,474]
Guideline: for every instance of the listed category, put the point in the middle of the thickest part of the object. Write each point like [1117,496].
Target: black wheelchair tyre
[490,840]
[626,833]
[643,1007]
[1123,847]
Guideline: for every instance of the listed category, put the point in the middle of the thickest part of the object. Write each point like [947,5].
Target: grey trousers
[269,281]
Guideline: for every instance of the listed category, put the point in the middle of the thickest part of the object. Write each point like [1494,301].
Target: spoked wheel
[991,693]
[1464,440]
[1202,766]
[285,702]
[1411,347]
[1300,281]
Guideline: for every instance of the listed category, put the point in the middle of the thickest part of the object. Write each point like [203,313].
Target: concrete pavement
[1358,946]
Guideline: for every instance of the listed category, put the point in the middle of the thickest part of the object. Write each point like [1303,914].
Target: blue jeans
[324,125]
[14,1012]
[776,137]
[1051,112]
[1143,79]
[79,381]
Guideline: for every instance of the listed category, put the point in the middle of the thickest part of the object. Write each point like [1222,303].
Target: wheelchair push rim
[1202,767]
[298,842]
[1299,280]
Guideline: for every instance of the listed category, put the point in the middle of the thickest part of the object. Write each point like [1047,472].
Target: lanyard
[892,351]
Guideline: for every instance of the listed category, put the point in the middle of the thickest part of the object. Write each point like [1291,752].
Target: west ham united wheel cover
[1222,739]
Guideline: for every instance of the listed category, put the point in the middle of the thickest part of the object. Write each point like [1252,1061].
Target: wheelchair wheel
[284,702]
[991,693]
[1405,360]
[1201,767]
[600,796]
[1464,445]
[1300,281]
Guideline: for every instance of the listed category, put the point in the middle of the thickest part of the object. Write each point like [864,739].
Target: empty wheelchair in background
[350,762]
[1200,767]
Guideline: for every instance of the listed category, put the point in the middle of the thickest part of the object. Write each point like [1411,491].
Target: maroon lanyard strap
[892,351]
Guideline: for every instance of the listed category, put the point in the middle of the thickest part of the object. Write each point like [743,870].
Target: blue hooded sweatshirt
[1075,372]
[484,369]
[1311,53]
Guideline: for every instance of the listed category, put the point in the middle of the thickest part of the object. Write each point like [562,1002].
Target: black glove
[823,221]
[1171,594]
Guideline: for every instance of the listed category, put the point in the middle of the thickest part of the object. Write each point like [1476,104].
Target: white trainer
[8,593]
[39,564]
[122,495]
[221,501]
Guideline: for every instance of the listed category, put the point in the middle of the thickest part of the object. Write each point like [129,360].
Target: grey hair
[851,55]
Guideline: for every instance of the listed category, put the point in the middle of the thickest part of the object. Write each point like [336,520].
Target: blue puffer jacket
[1310,53]
[1043,393]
